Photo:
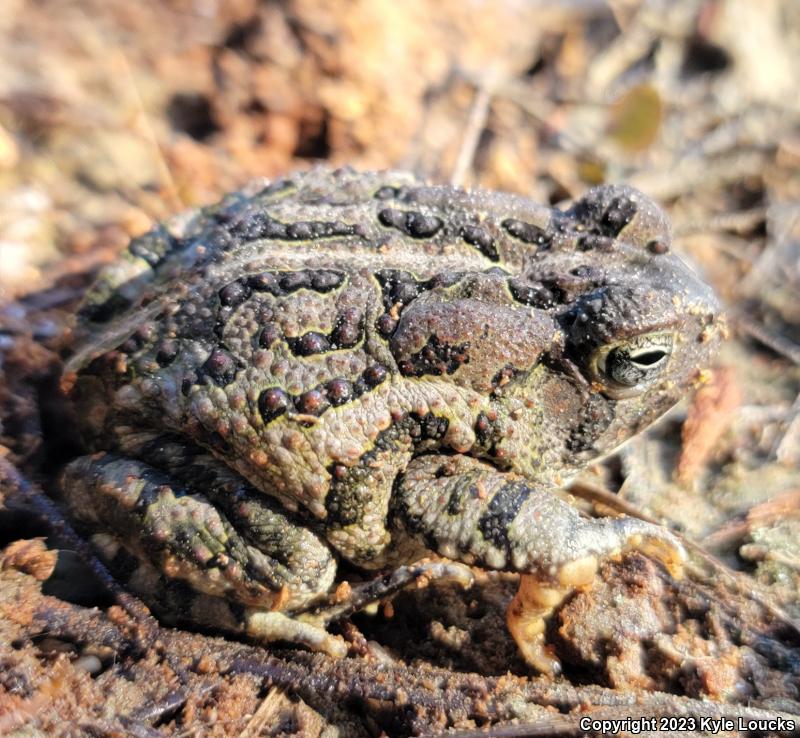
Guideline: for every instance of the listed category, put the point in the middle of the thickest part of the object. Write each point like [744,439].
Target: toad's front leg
[465,509]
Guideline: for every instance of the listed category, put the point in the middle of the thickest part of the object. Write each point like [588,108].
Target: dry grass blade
[780,345]
[478,114]
[266,713]
[741,221]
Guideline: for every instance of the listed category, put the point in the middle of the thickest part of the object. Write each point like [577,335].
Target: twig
[49,512]
[742,221]
[168,705]
[476,122]
[547,726]
[780,345]
[491,699]
[775,508]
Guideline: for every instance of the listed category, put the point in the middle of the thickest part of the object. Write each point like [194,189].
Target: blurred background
[113,114]
[116,114]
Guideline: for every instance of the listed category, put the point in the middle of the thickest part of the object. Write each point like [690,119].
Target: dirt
[114,115]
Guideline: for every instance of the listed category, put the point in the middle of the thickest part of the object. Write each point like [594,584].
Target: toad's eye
[629,367]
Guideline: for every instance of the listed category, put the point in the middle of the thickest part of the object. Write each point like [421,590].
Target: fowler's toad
[359,366]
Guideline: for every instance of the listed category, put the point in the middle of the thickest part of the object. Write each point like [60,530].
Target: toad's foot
[269,626]
[466,509]
[308,628]
[537,598]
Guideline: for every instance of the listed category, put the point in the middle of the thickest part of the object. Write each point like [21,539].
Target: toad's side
[358,366]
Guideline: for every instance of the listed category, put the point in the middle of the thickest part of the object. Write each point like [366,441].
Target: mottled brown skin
[357,365]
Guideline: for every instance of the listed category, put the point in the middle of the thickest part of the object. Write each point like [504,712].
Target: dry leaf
[709,416]
[636,118]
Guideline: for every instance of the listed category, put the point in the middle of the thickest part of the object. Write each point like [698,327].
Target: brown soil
[114,115]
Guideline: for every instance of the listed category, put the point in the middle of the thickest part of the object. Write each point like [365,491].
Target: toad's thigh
[219,535]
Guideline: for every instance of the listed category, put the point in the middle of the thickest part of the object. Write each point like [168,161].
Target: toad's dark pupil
[631,370]
[648,358]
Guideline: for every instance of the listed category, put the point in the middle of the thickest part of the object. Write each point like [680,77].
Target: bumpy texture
[357,365]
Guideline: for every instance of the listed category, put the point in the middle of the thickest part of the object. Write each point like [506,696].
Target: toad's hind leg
[199,528]
[465,509]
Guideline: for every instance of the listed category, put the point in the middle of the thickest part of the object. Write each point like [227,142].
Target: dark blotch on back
[220,367]
[255,225]
[324,280]
[268,335]
[527,232]
[551,288]
[399,288]
[536,295]
[167,352]
[386,325]
[312,402]
[141,337]
[281,283]
[235,293]
[309,344]
[619,213]
[338,391]
[604,219]
[595,242]
[435,358]
[375,375]
[428,427]
[265,282]
[414,224]
[188,381]
[293,281]
[272,402]
[481,239]
[348,329]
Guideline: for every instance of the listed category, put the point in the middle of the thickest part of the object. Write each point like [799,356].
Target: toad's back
[294,325]
[348,221]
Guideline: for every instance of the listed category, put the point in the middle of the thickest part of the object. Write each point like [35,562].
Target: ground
[114,115]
